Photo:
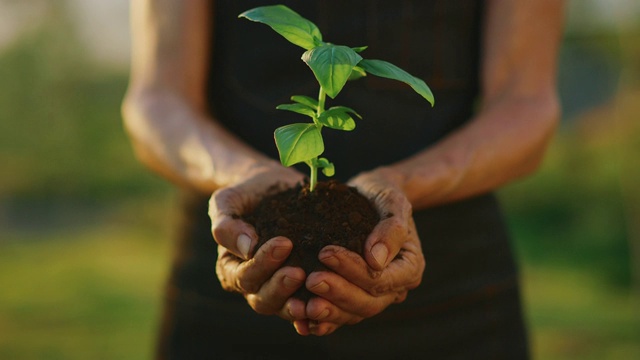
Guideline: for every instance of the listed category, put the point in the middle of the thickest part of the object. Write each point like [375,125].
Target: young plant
[333,65]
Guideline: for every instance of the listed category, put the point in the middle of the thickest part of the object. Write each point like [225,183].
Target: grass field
[87,293]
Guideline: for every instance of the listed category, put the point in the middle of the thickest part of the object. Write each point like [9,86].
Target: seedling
[333,65]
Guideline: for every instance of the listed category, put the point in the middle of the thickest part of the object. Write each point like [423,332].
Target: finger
[249,276]
[229,201]
[385,241]
[227,268]
[302,327]
[294,309]
[347,296]
[322,328]
[228,229]
[234,234]
[273,295]
[321,310]
[403,273]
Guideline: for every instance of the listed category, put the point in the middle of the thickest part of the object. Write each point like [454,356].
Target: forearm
[504,142]
[508,137]
[180,142]
[165,110]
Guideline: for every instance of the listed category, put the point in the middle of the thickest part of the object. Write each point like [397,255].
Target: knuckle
[246,286]
[400,297]
[396,226]
[220,228]
[376,286]
[217,232]
[224,281]
[225,202]
[226,286]
[380,290]
[222,274]
[212,206]
[406,208]
[373,276]
[216,200]
[259,306]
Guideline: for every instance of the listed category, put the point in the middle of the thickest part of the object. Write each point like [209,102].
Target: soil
[333,214]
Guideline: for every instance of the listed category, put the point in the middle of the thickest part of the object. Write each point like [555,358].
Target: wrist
[418,184]
[390,175]
[386,176]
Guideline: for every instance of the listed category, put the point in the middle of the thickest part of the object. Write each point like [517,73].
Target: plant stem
[313,180]
[313,163]
[322,96]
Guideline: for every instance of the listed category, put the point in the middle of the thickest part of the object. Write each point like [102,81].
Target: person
[200,111]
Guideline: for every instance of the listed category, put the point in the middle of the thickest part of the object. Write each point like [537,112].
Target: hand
[265,285]
[360,288]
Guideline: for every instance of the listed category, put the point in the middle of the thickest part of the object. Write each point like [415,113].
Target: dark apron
[468,305]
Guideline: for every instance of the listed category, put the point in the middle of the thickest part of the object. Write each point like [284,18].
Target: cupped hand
[359,287]
[266,286]
[259,277]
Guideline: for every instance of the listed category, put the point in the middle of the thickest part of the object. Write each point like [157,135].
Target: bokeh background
[85,230]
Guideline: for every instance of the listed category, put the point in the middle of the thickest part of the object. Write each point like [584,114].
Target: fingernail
[320,288]
[330,260]
[323,314]
[280,253]
[244,244]
[291,283]
[380,253]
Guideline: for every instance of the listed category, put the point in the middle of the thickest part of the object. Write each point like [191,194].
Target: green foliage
[339,118]
[333,66]
[387,70]
[287,23]
[298,143]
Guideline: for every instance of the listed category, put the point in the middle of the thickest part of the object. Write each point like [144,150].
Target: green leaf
[338,118]
[287,23]
[387,70]
[298,143]
[327,167]
[305,100]
[360,49]
[357,73]
[298,108]
[332,65]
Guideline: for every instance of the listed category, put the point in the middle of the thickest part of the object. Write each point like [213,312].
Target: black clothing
[468,303]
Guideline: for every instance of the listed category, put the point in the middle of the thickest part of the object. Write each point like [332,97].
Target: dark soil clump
[333,214]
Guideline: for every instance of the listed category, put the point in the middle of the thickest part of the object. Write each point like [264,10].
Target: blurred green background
[85,230]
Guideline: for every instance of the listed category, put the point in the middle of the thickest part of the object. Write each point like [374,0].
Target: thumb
[385,241]
[227,227]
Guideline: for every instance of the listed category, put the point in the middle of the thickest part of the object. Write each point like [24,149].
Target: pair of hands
[358,287]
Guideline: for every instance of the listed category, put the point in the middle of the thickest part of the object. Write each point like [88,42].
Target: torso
[467,305]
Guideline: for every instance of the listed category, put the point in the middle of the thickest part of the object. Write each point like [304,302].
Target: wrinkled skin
[357,288]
